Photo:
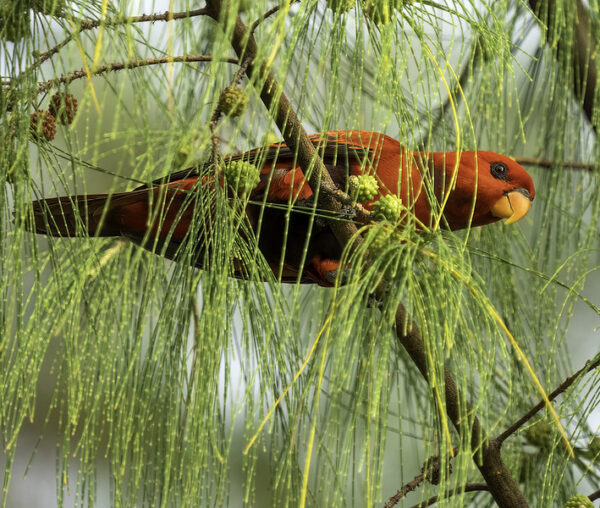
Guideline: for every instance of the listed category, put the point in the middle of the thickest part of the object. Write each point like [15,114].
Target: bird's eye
[499,170]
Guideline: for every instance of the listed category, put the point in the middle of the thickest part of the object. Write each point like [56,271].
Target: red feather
[468,187]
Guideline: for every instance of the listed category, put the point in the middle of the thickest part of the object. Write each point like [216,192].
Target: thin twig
[405,489]
[240,72]
[132,64]
[431,462]
[90,24]
[594,495]
[547,163]
[531,413]
[469,487]
[144,18]
[266,15]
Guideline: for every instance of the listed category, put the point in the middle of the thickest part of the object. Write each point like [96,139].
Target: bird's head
[502,188]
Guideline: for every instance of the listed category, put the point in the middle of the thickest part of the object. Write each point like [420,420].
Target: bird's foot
[339,275]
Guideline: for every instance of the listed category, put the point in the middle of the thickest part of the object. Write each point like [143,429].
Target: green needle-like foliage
[206,382]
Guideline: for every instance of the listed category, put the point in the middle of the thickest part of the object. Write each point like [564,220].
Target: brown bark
[487,456]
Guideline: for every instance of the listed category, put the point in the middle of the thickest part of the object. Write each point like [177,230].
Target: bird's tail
[83,215]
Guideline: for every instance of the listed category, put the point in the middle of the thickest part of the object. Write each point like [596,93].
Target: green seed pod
[14,23]
[381,12]
[49,7]
[594,446]
[379,241]
[389,207]
[539,434]
[272,139]
[579,501]
[182,155]
[341,6]
[363,188]
[242,176]
[233,101]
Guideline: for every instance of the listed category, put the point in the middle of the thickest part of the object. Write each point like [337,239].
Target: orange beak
[513,206]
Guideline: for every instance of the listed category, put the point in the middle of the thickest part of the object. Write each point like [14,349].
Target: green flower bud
[388,207]
[271,139]
[233,101]
[242,176]
[14,23]
[182,155]
[539,434]
[379,241]
[594,446]
[341,5]
[49,7]
[579,501]
[381,12]
[363,188]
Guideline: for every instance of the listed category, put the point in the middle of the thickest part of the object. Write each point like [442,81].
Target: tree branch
[548,163]
[132,64]
[429,471]
[405,489]
[293,133]
[469,487]
[540,405]
[502,486]
[266,15]
[144,18]
[90,24]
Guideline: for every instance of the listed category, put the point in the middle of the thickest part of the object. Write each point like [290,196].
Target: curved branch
[487,458]
[548,163]
[501,484]
[405,489]
[90,24]
[289,124]
[551,396]
[469,487]
[132,64]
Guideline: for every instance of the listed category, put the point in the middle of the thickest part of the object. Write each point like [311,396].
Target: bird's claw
[332,276]
[347,212]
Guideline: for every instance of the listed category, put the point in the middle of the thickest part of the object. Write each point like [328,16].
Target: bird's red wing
[341,152]
[342,148]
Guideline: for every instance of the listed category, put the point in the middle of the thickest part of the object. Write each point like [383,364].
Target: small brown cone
[64,107]
[43,124]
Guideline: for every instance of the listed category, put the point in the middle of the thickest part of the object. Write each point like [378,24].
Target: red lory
[477,189]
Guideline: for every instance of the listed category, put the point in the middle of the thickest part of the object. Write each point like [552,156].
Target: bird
[471,188]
